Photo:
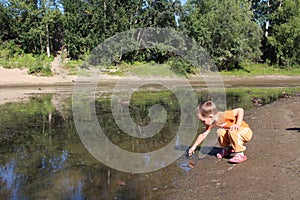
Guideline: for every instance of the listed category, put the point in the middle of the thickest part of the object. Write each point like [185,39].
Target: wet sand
[272,170]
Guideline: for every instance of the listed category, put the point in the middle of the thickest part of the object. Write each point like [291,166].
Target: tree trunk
[267,22]
[41,43]
[48,40]
[104,24]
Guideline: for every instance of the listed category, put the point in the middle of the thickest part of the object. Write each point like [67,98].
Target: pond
[42,156]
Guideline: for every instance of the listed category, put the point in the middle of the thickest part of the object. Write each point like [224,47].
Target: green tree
[88,23]
[226,29]
[5,21]
[284,38]
[34,25]
[263,9]
[159,13]
[155,13]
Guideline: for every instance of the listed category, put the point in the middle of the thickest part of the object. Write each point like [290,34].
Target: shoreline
[16,84]
[19,78]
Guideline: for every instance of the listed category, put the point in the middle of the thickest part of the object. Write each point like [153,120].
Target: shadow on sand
[209,150]
[293,129]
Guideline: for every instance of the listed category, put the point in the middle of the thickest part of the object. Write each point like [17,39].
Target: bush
[40,70]
[9,49]
[36,64]
[39,65]
[73,65]
[180,66]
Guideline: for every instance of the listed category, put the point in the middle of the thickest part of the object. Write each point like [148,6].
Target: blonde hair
[206,108]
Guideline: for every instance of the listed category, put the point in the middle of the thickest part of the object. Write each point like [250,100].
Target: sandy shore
[16,83]
[20,78]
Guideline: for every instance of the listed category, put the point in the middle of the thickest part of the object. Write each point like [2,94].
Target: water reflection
[10,180]
[42,157]
[55,163]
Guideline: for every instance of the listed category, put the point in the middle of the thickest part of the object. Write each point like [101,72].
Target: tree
[155,13]
[31,24]
[284,38]
[159,13]
[226,29]
[40,26]
[88,23]
[263,9]
[5,23]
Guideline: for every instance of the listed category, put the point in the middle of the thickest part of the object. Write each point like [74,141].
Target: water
[42,156]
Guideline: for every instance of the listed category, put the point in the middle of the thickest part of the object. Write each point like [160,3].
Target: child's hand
[191,151]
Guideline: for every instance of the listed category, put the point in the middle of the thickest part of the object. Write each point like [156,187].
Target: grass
[41,65]
[153,69]
[243,96]
[164,70]
[25,60]
[251,69]
[72,66]
[36,64]
[150,69]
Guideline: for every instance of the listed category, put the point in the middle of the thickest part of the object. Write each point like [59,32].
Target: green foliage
[88,23]
[73,65]
[159,13]
[284,40]
[153,70]
[8,49]
[181,66]
[40,70]
[230,31]
[260,69]
[39,65]
[6,28]
[31,25]
[225,29]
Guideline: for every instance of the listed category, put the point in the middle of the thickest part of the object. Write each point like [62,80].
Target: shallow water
[42,156]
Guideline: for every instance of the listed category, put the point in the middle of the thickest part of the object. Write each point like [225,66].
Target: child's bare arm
[200,138]
[239,114]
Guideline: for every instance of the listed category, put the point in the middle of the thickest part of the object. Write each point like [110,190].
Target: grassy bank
[251,69]
[42,65]
[165,70]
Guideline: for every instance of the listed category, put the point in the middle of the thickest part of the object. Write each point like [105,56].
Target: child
[233,132]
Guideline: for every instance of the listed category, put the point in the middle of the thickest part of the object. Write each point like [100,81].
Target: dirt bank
[15,84]
[272,170]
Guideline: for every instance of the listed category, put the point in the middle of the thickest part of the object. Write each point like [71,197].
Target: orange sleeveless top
[227,119]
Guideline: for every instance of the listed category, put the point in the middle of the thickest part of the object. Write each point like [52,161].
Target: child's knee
[248,135]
